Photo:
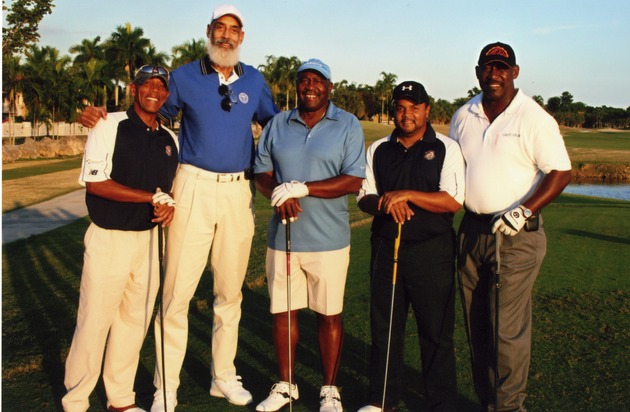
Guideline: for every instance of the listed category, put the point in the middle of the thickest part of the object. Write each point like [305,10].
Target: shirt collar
[206,67]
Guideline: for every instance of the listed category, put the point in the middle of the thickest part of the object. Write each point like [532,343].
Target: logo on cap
[410,87]
[498,51]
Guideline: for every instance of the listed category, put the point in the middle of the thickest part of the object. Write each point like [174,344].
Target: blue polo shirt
[211,138]
[333,147]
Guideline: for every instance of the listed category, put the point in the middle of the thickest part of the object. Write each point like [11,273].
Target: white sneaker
[130,408]
[231,390]
[158,401]
[278,397]
[329,399]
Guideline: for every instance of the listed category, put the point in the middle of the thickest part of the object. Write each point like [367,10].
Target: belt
[218,177]
[481,217]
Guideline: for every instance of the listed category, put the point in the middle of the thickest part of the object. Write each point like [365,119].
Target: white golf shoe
[329,399]
[158,401]
[231,390]
[278,397]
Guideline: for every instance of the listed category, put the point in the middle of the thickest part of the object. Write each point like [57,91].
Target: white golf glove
[510,222]
[163,198]
[288,190]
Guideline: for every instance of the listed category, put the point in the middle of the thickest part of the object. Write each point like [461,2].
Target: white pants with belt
[119,284]
[214,214]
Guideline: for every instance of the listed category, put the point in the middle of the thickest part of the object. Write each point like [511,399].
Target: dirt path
[35,189]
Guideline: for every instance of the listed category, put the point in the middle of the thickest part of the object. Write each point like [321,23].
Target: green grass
[42,167]
[580,343]
[594,139]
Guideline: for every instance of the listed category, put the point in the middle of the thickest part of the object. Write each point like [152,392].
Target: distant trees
[55,86]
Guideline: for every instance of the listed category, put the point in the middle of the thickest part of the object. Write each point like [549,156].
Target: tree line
[56,86]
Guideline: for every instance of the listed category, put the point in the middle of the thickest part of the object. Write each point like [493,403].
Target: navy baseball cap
[410,90]
[148,72]
[497,52]
[317,65]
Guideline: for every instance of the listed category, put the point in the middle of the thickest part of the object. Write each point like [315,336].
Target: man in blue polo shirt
[307,161]
[218,98]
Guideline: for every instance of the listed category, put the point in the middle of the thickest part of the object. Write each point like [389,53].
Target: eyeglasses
[228,97]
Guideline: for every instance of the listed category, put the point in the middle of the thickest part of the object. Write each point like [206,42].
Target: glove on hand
[288,190]
[511,222]
[163,198]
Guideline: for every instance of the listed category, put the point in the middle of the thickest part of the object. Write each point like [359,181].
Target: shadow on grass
[597,236]
[41,277]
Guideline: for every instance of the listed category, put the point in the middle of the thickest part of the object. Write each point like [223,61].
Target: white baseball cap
[227,9]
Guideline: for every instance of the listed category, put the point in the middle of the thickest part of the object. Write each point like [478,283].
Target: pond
[619,191]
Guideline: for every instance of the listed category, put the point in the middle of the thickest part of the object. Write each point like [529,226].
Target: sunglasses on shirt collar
[228,97]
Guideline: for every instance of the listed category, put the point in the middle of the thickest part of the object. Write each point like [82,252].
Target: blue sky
[578,46]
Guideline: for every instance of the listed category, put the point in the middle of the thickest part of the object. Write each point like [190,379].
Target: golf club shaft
[497,279]
[391,312]
[288,249]
[161,290]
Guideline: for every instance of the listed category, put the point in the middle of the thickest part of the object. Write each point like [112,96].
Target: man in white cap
[218,98]
[307,161]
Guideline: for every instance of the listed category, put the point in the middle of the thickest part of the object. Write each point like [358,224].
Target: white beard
[223,57]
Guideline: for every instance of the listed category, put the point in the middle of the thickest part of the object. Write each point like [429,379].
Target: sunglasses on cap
[228,97]
[147,72]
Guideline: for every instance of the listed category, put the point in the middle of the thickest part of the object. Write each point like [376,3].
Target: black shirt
[142,159]
[416,168]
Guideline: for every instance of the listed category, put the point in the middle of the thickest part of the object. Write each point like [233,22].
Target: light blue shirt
[333,147]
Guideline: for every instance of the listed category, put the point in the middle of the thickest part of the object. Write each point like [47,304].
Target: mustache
[219,42]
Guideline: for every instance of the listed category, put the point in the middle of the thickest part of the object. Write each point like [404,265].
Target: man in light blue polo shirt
[307,161]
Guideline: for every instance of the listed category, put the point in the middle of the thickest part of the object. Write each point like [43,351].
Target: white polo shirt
[507,159]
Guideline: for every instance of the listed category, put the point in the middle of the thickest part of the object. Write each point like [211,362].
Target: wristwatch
[526,212]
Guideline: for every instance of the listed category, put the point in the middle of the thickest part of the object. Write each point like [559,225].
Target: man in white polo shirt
[516,163]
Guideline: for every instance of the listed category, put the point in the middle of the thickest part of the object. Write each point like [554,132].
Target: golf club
[288,248]
[497,278]
[391,312]
[161,294]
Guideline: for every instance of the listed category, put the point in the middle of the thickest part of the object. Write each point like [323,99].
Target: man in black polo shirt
[414,177]
[129,165]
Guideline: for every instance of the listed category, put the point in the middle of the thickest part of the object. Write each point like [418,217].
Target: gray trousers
[521,258]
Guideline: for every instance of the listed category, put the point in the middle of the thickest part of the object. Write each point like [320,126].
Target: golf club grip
[396,247]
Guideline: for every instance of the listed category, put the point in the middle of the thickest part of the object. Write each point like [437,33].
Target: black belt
[480,217]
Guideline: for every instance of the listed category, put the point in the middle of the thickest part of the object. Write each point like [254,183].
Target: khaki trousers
[214,214]
[119,284]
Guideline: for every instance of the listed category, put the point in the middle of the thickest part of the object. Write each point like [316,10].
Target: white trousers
[119,284]
[214,214]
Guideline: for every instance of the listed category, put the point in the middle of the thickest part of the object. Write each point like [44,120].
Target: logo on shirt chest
[169,150]
[429,155]
[243,97]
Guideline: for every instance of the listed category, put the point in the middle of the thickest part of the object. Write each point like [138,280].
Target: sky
[578,46]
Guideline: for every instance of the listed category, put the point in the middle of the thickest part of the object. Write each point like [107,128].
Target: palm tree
[156,58]
[94,80]
[88,49]
[384,88]
[127,49]
[11,80]
[188,52]
[281,75]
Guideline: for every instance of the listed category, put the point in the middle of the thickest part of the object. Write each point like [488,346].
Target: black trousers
[426,282]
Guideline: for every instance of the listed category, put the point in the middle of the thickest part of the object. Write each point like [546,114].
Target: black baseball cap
[148,72]
[497,52]
[410,90]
